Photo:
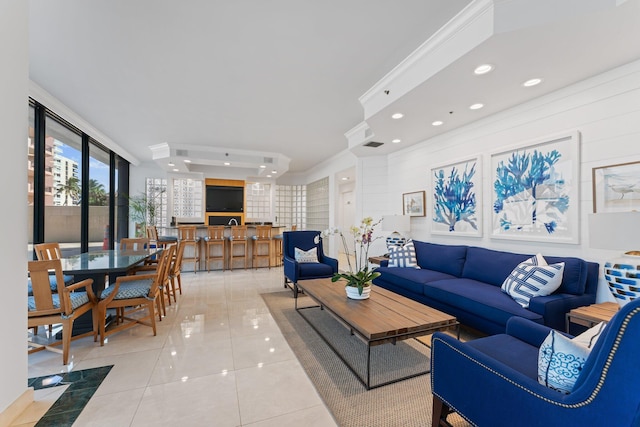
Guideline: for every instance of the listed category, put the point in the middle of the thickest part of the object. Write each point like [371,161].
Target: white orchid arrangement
[361,275]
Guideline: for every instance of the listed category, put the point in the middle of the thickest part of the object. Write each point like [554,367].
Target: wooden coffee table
[385,317]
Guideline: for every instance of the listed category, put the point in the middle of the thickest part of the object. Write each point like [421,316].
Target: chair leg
[440,412]
[67,326]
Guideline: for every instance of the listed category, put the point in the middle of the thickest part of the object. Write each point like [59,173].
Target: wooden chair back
[215,232]
[152,232]
[187,233]
[47,251]
[42,295]
[134,244]
[263,232]
[238,232]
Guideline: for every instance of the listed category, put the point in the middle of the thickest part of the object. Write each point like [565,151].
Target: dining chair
[238,237]
[165,290]
[49,251]
[215,237]
[158,240]
[134,244]
[131,295]
[262,239]
[176,268]
[63,307]
[187,234]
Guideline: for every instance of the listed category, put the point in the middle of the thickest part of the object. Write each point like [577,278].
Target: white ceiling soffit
[227,163]
[560,42]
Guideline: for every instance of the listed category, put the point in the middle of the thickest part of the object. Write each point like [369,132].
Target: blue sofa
[465,281]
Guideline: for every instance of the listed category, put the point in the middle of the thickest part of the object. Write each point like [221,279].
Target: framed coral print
[456,198]
[616,188]
[536,190]
[413,204]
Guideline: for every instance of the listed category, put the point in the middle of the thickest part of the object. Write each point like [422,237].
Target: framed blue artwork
[535,190]
[456,190]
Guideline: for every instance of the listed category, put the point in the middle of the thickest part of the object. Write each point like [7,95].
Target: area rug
[405,403]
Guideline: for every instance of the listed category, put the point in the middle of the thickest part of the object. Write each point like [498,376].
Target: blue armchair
[293,270]
[492,381]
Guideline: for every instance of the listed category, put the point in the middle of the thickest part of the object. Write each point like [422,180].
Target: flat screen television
[224,199]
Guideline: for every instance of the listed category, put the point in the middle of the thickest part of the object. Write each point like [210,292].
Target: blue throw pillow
[403,256]
[533,278]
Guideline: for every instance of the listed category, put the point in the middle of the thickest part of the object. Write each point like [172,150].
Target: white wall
[604,109]
[14,73]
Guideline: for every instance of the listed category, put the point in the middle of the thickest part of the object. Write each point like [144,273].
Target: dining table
[103,266]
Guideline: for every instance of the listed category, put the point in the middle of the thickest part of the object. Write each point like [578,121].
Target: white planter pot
[352,292]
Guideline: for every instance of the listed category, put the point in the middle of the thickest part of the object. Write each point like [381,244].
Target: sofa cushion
[402,256]
[533,278]
[447,259]
[574,277]
[411,279]
[511,351]
[489,266]
[480,299]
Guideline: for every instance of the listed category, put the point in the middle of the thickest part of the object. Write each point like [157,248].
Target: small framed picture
[616,188]
[413,203]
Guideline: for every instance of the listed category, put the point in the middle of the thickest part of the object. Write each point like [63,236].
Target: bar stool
[278,248]
[187,234]
[261,238]
[238,237]
[215,237]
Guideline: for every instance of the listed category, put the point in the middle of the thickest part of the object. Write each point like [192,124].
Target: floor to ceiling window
[71,187]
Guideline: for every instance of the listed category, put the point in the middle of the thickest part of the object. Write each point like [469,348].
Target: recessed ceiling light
[176,170]
[171,164]
[274,171]
[268,176]
[397,116]
[262,166]
[187,161]
[437,123]
[532,82]
[483,69]
[396,141]
[345,178]
[476,106]
[227,163]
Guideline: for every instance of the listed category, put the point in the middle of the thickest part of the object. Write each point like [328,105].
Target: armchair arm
[554,307]
[86,284]
[526,330]
[120,279]
[331,262]
[291,270]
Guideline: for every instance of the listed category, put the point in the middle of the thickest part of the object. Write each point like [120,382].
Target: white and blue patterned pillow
[560,359]
[533,278]
[403,256]
[306,256]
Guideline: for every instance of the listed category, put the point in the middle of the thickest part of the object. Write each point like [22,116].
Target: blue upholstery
[465,281]
[501,388]
[128,290]
[295,271]
[77,299]
[53,282]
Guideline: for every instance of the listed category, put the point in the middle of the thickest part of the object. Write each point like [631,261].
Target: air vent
[268,160]
[373,144]
[182,153]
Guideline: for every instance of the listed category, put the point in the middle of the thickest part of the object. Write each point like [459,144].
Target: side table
[377,260]
[591,315]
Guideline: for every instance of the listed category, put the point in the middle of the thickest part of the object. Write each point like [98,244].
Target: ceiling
[280,83]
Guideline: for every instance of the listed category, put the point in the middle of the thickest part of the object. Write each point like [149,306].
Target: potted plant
[358,277]
[145,209]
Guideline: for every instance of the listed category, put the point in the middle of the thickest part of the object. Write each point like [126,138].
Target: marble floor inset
[218,359]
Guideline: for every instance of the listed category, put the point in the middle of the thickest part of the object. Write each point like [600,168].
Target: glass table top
[107,261]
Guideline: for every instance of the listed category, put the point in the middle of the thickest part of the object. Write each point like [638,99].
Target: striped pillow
[403,256]
[533,278]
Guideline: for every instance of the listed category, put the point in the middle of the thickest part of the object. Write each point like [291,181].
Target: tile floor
[219,359]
